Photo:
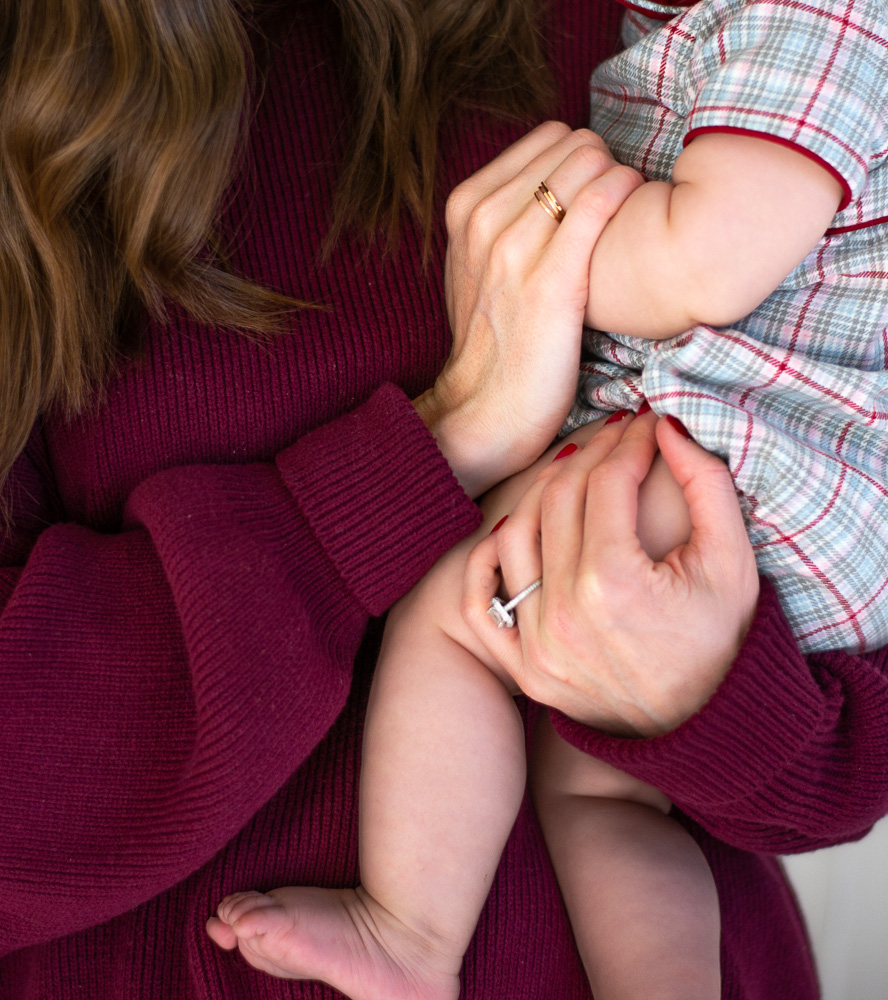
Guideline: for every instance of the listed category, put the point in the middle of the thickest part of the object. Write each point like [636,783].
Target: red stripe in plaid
[871,416]
[759,352]
[783,363]
[784,536]
[827,70]
[837,18]
[835,302]
[662,397]
[845,621]
[627,100]
[814,569]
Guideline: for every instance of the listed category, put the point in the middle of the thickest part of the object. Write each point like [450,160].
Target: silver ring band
[502,613]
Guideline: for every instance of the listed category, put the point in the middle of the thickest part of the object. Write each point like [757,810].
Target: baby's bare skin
[444,776]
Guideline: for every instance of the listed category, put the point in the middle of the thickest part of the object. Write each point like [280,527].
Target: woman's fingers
[516,283]
[591,203]
[512,557]
[706,481]
[519,169]
[500,195]
[719,544]
[557,495]
[482,581]
[610,528]
[582,178]
[590,188]
[615,638]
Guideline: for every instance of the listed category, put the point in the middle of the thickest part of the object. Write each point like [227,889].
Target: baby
[744,289]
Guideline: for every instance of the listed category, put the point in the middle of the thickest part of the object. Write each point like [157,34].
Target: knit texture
[186,641]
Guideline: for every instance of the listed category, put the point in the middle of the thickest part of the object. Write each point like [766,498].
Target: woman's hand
[517,285]
[614,639]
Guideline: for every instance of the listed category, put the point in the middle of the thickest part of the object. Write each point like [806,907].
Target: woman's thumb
[715,513]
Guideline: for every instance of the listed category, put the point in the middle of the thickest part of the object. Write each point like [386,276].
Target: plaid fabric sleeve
[809,74]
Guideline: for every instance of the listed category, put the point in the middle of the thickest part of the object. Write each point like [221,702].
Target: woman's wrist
[457,441]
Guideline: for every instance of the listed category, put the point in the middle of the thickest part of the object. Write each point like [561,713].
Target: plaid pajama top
[795,396]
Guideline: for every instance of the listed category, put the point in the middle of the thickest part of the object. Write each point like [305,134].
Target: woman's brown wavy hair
[120,124]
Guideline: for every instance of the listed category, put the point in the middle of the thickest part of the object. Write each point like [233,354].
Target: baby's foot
[342,937]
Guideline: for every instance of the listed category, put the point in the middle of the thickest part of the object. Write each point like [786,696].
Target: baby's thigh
[435,602]
[503,498]
[663,519]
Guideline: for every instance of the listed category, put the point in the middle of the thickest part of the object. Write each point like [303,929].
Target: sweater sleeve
[790,754]
[162,682]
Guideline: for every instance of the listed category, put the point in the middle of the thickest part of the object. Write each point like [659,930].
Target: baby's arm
[739,216]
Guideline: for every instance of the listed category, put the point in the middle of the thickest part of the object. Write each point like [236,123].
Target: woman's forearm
[226,612]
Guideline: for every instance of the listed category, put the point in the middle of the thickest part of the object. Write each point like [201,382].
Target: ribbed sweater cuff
[767,706]
[379,495]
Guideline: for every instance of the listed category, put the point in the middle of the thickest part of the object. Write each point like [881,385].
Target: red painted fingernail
[644,408]
[679,426]
[499,524]
[617,416]
[568,449]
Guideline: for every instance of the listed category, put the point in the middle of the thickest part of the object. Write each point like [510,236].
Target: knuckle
[588,593]
[471,612]
[592,159]
[506,252]
[590,138]
[595,203]
[624,170]
[607,600]
[554,498]
[547,474]
[627,177]
[554,130]
[605,476]
[479,224]
[509,539]
[458,206]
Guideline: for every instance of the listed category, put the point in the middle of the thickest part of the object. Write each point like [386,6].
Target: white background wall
[843,892]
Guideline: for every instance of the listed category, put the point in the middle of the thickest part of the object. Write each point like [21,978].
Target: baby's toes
[222,933]
[245,912]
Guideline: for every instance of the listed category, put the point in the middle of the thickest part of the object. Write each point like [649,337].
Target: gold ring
[549,202]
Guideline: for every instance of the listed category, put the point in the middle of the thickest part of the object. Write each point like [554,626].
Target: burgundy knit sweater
[184,642]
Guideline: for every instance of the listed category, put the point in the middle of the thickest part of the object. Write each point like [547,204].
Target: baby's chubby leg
[443,775]
[640,895]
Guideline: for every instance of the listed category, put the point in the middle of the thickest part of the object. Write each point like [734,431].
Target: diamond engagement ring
[502,613]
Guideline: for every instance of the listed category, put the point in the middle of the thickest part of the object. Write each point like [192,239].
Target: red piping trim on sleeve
[857,225]
[655,14]
[770,137]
